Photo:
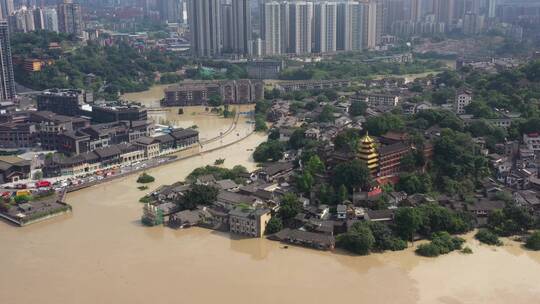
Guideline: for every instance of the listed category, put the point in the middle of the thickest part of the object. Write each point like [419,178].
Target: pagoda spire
[367,153]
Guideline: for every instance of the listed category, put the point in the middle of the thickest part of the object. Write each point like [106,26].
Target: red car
[43,184]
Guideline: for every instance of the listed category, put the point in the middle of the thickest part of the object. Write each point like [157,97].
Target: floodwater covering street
[102,254]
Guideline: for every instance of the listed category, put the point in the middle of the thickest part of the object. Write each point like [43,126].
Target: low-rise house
[378,99]
[167,208]
[275,171]
[532,141]
[385,215]
[305,238]
[528,199]
[228,185]
[248,222]
[312,133]
[394,198]
[215,217]
[185,219]
[149,145]
[234,199]
[285,134]
[484,207]
[13,168]
[341,212]
[323,212]
[463,99]
[518,179]
[320,226]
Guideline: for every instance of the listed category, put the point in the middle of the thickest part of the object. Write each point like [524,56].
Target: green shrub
[395,244]
[428,250]
[533,242]
[142,188]
[441,243]
[466,250]
[145,178]
[487,237]
[145,199]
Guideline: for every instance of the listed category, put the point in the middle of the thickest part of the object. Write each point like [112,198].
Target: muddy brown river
[102,254]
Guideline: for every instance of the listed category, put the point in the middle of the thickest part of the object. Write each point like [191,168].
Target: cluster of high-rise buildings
[300,27]
[66,17]
[219,27]
[323,26]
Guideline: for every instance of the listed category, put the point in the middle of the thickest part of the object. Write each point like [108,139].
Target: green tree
[343,194]
[384,123]
[215,100]
[384,237]
[408,221]
[297,139]
[347,140]
[353,174]
[198,195]
[314,165]
[260,123]
[359,239]
[289,207]
[414,183]
[327,114]
[358,108]
[304,182]
[274,225]
[270,150]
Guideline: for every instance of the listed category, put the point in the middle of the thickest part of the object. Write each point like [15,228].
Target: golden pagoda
[367,153]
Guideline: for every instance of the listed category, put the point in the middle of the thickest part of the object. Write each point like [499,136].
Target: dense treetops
[218,173]
[350,67]
[115,69]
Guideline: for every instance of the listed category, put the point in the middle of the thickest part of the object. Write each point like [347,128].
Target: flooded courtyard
[102,254]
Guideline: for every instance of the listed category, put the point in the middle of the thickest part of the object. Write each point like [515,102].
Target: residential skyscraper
[70,18]
[351,25]
[394,11]
[325,27]
[7,78]
[416,10]
[492,7]
[204,23]
[22,20]
[285,17]
[50,19]
[371,25]
[343,36]
[271,28]
[472,23]
[6,9]
[227,28]
[241,14]
[444,11]
[357,25]
[301,22]
[39,20]
[171,11]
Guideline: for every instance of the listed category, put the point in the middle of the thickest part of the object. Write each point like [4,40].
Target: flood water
[102,254]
